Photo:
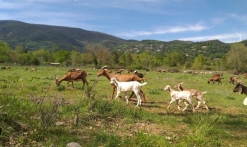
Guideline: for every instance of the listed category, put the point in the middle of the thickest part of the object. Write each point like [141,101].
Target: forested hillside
[35,36]
[33,44]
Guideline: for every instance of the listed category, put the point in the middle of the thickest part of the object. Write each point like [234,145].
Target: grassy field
[34,112]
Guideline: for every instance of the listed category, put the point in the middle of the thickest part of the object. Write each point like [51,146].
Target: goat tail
[142,84]
[204,92]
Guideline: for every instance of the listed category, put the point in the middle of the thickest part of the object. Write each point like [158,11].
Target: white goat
[178,96]
[128,86]
[196,94]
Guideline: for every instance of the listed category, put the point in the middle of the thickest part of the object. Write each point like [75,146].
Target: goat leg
[143,95]
[113,91]
[127,101]
[186,106]
[198,105]
[131,95]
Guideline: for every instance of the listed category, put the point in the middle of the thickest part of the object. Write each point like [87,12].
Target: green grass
[34,112]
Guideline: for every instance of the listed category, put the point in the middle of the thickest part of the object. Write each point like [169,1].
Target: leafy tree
[147,60]
[43,55]
[175,59]
[102,56]
[115,58]
[25,58]
[4,52]
[62,56]
[199,62]
[86,58]
[236,57]
[74,58]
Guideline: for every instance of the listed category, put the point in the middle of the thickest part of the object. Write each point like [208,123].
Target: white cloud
[175,29]
[223,37]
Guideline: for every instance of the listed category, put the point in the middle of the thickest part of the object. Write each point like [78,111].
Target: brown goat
[71,70]
[217,75]
[121,78]
[240,88]
[3,68]
[234,80]
[195,93]
[73,76]
[215,79]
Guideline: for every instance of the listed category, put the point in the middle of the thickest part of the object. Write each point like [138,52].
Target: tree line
[235,59]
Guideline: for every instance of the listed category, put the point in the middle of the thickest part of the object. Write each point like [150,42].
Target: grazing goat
[138,74]
[73,76]
[34,69]
[240,88]
[198,95]
[3,68]
[178,96]
[129,71]
[245,75]
[235,79]
[215,79]
[121,78]
[132,86]
[217,75]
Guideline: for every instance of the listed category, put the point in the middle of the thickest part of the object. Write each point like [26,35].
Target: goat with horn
[121,78]
[71,76]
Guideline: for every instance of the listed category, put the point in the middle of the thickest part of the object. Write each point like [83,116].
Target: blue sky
[164,20]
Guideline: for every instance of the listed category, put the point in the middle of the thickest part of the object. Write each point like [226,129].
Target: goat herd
[131,83]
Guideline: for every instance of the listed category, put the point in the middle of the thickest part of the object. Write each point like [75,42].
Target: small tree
[4,52]
[199,62]
[236,57]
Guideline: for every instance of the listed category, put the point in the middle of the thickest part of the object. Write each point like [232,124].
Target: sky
[163,20]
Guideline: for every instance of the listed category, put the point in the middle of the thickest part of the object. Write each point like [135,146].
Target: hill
[35,36]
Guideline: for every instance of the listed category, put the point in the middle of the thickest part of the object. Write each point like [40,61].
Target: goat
[138,74]
[73,76]
[215,79]
[121,78]
[71,70]
[34,69]
[235,79]
[198,95]
[217,75]
[129,71]
[119,71]
[178,96]
[240,88]
[132,86]
[245,75]
[3,68]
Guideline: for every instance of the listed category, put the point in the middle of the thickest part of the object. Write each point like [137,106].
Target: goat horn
[103,67]
[56,77]
[181,83]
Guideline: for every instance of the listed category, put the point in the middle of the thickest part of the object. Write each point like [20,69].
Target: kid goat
[132,86]
[178,96]
[196,94]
